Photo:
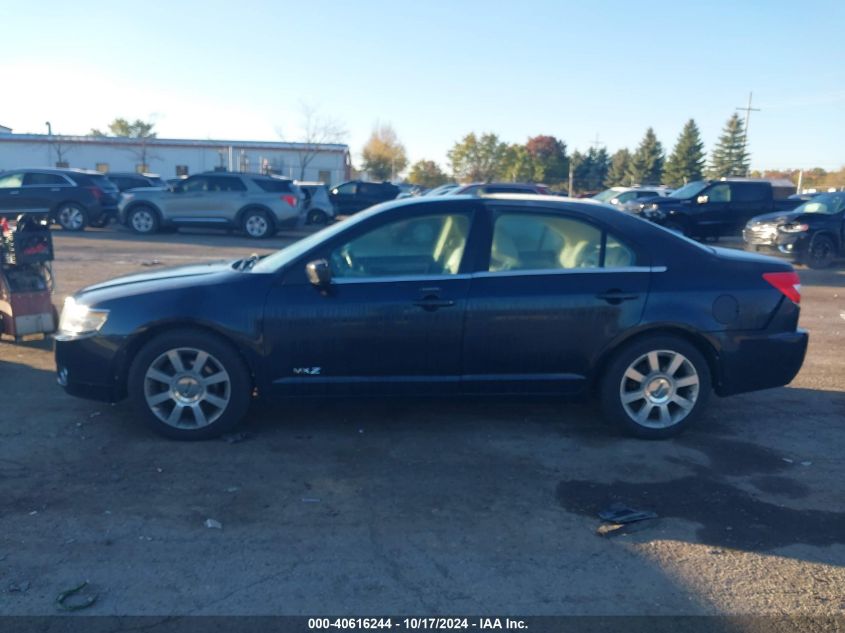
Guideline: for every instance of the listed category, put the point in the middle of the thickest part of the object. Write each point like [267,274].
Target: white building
[329,163]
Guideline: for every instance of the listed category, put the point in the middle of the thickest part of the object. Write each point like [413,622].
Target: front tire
[71,216]
[143,220]
[257,224]
[821,252]
[318,217]
[655,387]
[189,385]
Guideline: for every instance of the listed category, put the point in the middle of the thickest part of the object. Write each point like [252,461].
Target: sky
[586,72]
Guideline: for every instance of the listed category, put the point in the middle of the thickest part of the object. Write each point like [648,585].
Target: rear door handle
[432,304]
[615,297]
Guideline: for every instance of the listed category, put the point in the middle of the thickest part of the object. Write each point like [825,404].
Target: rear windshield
[273,185]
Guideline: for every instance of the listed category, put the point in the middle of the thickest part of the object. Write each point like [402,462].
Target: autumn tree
[687,160]
[550,162]
[517,164]
[140,130]
[617,173]
[729,157]
[478,159]
[646,165]
[384,155]
[427,173]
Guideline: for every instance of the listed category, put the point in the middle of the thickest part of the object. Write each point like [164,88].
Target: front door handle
[14,193]
[615,296]
[431,300]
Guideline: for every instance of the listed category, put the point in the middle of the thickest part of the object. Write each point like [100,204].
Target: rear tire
[143,220]
[821,252]
[655,387]
[317,216]
[71,216]
[189,385]
[257,224]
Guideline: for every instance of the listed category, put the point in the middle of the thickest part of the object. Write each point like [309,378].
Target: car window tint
[617,254]
[543,242]
[719,193]
[425,245]
[274,185]
[348,189]
[225,183]
[10,181]
[625,197]
[195,184]
[44,180]
[751,192]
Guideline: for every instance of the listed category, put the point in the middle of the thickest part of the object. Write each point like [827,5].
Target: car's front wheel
[655,387]
[189,385]
[71,216]
[143,220]
[317,216]
[821,252]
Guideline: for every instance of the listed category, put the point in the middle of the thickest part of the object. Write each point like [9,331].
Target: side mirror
[334,191]
[703,199]
[614,201]
[319,273]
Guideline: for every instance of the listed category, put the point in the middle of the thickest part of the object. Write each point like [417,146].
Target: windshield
[606,195]
[690,190]
[828,203]
[274,262]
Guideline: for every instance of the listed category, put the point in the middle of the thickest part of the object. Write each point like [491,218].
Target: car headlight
[794,228]
[78,318]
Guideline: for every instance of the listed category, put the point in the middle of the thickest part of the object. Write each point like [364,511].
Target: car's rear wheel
[143,220]
[821,252]
[655,387]
[256,223]
[317,216]
[189,385]
[71,216]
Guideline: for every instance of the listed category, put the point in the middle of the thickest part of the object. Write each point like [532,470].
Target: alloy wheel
[71,218]
[659,389]
[187,388]
[256,226]
[142,221]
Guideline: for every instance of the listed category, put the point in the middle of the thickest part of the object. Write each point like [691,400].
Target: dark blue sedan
[442,296]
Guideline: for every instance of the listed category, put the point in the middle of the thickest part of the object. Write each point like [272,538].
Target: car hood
[778,217]
[163,275]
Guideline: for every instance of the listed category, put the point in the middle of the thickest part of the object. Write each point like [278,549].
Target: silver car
[318,206]
[257,205]
[629,199]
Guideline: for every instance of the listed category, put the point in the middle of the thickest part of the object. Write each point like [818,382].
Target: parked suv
[318,205]
[813,234]
[73,198]
[258,205]
[630,198]
[125,180]
[357,195]
[713,208]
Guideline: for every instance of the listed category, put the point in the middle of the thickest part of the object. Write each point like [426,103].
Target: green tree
[729,157]
[427,173]
[646,166]
[686,162]
[383,155]
[551,164]
[140,130]
[517,164]
[478,159]
[617,174]
[590,169]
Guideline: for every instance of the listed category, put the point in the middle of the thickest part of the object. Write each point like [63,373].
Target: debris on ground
[234,438]
[214,525]
[232,489]
[19,587]
[84,603]
[619,513]
[151,262]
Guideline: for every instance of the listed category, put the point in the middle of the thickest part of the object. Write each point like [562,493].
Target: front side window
[424,245]
[348,189]
[547,242]
[192,185]
[11,181]
[719,193]
[36,179]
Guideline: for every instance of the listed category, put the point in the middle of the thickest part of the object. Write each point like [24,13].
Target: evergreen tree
[646,166]
[730,157]
[590,169]
[617,174]
[687,160]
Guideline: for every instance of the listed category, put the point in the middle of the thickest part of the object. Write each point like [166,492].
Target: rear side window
[225,183]
[102,182]
[549,242]
[752,192]
[36,179]
[273,185]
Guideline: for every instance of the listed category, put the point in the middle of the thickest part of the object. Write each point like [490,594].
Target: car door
[11,184]
[226,196]
[713,215]
[188,203]
[42,191]
[390,321]
[553,291]
[343,197]
[748,199]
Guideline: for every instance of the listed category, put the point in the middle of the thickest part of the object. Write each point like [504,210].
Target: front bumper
[770,241]
[86,367]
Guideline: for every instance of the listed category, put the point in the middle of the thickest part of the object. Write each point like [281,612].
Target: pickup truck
[715,208]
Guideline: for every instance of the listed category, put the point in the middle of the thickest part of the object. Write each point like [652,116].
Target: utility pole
[748,110]
[49,144]
[571,176]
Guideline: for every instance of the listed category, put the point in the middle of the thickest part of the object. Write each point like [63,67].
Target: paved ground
[419,507]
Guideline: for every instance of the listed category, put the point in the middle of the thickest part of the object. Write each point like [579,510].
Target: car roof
[58,170]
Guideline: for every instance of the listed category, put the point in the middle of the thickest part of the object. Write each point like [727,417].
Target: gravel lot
[417,506]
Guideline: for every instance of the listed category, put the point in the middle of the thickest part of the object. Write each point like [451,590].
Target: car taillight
[788,283]
[96,192]
[291,200]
